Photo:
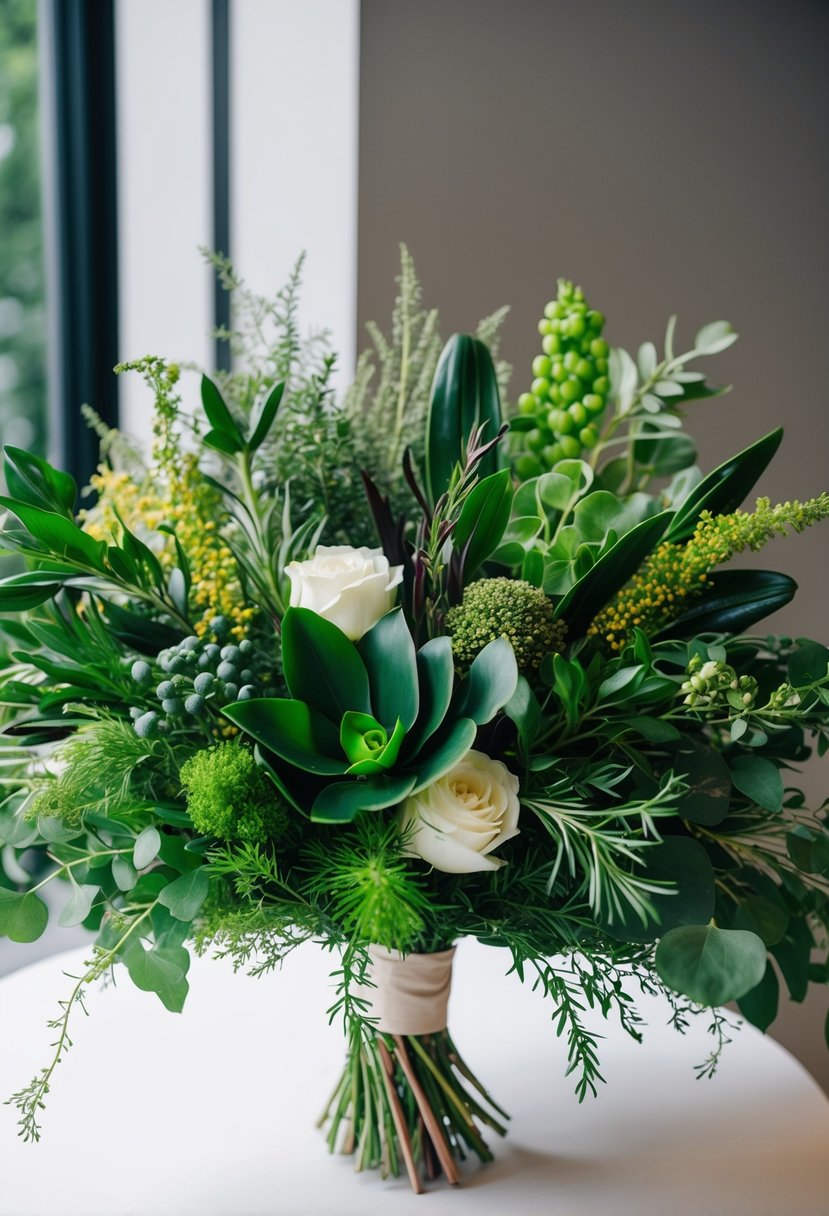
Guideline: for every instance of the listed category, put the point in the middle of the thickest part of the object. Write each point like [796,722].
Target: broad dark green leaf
[444,752]
[483,520]
[62,537]
[218,415]
[266,416]
[724,489]
[682,863]
[221,441]
[711,965]
[665,455]
[763,917]
[184,896]
[793,954]
[759,779]
[735,601]
[23,916]
[388,652]
[341,801]
[759,1005]
[35,481]
[436,675]
[709,784]
[808,849]
[322,666]
[491,681]
[294,731]
[23,591]
[613,569]
[808,664]
[464,396]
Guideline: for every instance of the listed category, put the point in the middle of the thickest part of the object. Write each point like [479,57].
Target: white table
[211,1112]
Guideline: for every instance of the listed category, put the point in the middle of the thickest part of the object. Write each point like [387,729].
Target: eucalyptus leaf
[185,895]
[23,916]
[78,906]
[759,1005]
[145,849]
[710,965]
[759,779]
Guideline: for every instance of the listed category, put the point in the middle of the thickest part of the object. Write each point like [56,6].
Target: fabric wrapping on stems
[411,992]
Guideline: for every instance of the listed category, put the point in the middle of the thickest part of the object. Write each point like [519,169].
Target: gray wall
[670,157]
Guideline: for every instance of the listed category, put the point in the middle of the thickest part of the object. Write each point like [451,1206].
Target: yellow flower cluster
[674,573]
[182,499]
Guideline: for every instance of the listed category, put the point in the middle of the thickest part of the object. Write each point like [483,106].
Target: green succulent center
[376,739]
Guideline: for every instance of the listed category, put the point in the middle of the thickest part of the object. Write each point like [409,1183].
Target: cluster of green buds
[558,417]
[714,684]
[784,697]
[190,675]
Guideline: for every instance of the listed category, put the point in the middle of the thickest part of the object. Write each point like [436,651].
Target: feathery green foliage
[229,796]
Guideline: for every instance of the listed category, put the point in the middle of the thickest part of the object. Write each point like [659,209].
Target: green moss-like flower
[512,608]
[230,797]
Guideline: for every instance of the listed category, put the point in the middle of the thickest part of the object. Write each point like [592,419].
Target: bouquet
[412,666]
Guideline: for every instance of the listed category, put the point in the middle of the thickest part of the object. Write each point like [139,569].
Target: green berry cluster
[230,797]
[715,684]
[189,675]
[558,417]
[505,607]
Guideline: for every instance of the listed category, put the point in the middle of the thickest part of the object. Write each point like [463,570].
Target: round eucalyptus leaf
[711,965]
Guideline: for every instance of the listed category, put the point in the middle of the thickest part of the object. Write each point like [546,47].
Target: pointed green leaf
[492,680]
[464,396]
[711,965]
[62,537]
[759,1005]
[483,520]
[341,801]
[266,416]
[322,666]
[735,601]
[218,415]
[444,752]
[292,730]
[726,487]
[760,780]
[35,481]
[388,652]
[436,678]
[613,569]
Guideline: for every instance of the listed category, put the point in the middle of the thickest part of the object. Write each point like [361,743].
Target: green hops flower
[512,608]
[229,796]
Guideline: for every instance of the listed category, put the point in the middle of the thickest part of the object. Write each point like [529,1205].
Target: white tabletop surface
[211,1112]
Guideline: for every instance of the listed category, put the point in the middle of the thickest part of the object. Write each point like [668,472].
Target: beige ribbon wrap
[412,991]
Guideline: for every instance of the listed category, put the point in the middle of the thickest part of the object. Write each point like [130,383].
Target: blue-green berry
[203,683]
[165,689]
[246,646]
[246,675]
[146,725]
[246,693]
[194,704]
[190,643]
[231,653]
[172,705]
[220,625]
[141,672]
[227,670]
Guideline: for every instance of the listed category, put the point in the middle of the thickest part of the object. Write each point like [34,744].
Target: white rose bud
[459,820]
[350,587]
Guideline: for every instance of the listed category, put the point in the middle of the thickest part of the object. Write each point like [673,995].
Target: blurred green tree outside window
[22,305]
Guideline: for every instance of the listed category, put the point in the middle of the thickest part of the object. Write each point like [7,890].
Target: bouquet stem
[409,1102]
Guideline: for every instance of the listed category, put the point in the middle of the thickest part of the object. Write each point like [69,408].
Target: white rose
[350,587]
[459,820]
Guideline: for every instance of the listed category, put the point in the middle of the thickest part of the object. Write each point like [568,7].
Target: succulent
[368,724]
